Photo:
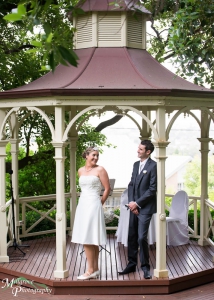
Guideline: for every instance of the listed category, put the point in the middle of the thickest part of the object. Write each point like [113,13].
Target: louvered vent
[135,31]
[84,29]
[109,28]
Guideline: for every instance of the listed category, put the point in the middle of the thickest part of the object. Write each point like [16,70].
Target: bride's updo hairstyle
[89,150]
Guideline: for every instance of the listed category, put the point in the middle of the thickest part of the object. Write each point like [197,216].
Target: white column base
[203,242]
[161,273]
[61,274]
[4,258]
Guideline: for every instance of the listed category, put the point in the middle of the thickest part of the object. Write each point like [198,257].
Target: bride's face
[93,157]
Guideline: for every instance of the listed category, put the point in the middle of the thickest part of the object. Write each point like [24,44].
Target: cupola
[106,25]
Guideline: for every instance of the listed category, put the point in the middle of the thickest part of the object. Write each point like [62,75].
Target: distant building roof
[174,163]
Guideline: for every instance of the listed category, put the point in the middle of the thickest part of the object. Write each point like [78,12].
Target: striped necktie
[141,168]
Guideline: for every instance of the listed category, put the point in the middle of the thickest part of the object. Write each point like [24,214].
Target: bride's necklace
[89,169]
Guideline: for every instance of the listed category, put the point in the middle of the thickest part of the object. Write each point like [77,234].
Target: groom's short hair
[148,145]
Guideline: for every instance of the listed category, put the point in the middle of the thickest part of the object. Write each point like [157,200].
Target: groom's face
[142,153]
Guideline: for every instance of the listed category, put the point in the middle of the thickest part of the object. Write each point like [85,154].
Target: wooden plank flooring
[188,264]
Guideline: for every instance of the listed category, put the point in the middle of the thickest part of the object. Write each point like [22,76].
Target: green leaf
[68,55]
[74,55]
[31,50]
[24,2]
[49,38]
[21,10]
[63,62]
[13,17]
[45,68]
[36,43]
[79,11]
[36,21]
[47,28]
[51,60]
[47,4]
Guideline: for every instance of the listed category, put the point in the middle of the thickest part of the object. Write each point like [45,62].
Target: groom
[143,204]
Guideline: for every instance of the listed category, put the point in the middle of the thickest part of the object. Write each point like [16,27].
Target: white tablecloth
[123,228]
[152,230]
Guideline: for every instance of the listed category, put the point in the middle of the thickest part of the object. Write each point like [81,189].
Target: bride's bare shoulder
[80,170]
[101,169]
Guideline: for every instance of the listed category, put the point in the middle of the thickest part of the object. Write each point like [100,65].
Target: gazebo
[115,73]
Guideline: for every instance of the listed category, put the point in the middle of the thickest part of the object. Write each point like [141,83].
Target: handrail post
[14,153]
[204,189]
[3,218]
[73,199]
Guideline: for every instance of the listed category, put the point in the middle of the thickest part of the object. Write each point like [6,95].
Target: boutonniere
[144,171]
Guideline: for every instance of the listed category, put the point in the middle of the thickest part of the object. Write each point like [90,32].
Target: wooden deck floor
[188,266]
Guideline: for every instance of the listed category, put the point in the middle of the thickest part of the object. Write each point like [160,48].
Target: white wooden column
[3,218]
[73,200]
[204,190]
[161,271]
[14,141]
[204,140]
[145,133]
[14,166]
[61,271]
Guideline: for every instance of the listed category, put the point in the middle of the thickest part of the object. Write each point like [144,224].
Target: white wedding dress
[89,225]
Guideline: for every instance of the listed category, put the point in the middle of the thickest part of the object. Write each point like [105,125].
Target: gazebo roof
[110,71]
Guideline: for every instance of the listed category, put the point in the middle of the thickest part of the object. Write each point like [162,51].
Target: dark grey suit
[141,189]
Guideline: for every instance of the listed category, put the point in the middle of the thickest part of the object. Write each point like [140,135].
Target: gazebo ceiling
[111,71]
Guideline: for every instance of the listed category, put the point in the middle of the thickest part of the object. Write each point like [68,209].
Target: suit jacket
[146,188]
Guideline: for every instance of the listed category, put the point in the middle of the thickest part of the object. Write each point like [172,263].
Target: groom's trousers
[138,232]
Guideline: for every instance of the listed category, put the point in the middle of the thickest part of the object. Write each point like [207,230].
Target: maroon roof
[110,71]
[103,5]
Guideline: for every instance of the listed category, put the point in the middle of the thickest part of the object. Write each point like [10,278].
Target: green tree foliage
[48,30]
[183,30]
[17,66]
[192,38]
[192,178]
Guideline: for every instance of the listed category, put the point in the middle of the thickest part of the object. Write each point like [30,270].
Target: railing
[8,208]
[210,230]
[43,215]
[111,204]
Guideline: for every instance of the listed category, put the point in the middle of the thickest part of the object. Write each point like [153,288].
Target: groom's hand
[133,207]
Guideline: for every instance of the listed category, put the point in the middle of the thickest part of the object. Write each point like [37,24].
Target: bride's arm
[103,175]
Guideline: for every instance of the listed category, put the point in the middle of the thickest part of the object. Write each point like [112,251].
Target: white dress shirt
[142,165]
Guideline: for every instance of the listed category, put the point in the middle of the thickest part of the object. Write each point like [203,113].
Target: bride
[89,225]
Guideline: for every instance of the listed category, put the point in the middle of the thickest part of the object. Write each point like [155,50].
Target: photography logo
[17,286]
